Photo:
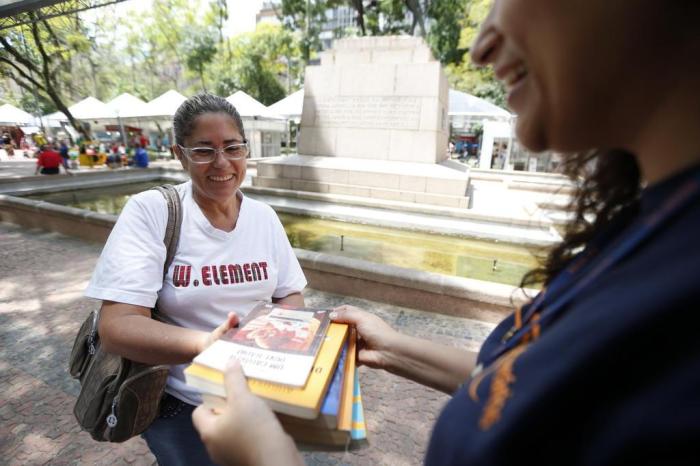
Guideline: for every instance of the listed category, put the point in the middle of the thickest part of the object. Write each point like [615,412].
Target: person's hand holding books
[375,337]
[244,430]
[428,363]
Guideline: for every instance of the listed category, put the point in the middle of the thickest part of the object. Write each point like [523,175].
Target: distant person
[49,162]
[601,368]
[114,159]
[63,151]
[92,155]
[140,157]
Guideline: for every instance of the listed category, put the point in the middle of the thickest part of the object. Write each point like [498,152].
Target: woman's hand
[230,322]
[375,337]
[382,347]
[246,431]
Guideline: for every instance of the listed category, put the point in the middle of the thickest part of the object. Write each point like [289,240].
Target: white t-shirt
[213,272]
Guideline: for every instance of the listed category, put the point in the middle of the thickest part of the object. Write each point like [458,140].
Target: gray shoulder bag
[120,398]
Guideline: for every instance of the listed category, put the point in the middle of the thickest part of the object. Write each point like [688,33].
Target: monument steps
[539,223]
[364,191]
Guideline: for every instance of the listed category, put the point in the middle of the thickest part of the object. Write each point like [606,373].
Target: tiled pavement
[42,276]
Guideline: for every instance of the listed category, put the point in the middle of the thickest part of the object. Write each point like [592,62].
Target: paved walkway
[42,277]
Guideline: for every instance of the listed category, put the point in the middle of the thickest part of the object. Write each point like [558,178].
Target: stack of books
[298,361]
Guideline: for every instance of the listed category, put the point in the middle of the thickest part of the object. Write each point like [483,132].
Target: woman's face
[219,180]
[578,72]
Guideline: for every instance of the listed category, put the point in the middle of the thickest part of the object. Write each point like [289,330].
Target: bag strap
[172,230]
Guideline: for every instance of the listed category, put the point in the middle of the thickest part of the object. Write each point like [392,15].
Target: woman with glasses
[222,232]
[603,366]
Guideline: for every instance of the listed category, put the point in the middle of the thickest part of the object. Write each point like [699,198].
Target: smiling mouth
[515,76]
[220,179]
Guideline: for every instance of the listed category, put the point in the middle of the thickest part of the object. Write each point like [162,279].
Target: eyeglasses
[236,151]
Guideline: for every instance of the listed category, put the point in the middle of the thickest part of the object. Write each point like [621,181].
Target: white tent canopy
[289,107]
[126,105]
[9,114]
[247,106]
[91,109]
[461,103]
[165,105]
[55,116]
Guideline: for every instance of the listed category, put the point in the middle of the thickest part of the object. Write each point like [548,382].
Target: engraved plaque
[374,112]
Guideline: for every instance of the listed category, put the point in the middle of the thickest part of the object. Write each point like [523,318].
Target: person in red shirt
[49,162]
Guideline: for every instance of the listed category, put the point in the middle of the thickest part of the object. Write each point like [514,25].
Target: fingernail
[333,315]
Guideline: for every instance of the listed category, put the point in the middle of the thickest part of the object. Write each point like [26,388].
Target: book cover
[303,402]
[274,343]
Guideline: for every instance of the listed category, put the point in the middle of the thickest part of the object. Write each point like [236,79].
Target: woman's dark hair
[607,190]
[190,109]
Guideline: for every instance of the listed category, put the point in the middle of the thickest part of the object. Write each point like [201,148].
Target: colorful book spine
[331,402]
[346,399]
[359,429]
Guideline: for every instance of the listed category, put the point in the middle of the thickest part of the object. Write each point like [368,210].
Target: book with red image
[275,343]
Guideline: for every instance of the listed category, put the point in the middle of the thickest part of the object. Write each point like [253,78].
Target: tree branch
[18,56]
[44,56]
[23,74]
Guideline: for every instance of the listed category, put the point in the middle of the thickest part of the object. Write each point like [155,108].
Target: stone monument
[374,124]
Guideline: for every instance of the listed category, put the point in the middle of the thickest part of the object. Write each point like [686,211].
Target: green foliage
[444,34]
[306,17]
[36,104]
[177,45]
[41,59]
[386,17]
[201,49]
[258,62]
[463,75]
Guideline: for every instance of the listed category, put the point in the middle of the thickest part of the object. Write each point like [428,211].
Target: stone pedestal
[374,124]
[381,180]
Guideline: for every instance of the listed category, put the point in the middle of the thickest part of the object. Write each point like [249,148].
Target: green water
[429,252]
[434,253]
[107,200]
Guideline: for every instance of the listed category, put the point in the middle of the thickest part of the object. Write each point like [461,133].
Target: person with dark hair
[63,151]
[49,162]
[140,157]
[602,367]
[222,231]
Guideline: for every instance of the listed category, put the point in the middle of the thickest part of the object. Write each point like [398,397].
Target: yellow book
[346,398]
[303,402]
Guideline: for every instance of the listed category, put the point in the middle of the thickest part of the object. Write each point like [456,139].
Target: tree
[307,17]
[259,60]
[463,75]
[39,61]
[445,29]
[200,52]
[159,46]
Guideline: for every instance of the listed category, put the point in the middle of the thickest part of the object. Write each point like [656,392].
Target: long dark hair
[607,191]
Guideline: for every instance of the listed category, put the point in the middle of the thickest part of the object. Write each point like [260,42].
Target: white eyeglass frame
[188,151]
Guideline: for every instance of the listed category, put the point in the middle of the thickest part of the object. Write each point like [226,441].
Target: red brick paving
[42,277]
